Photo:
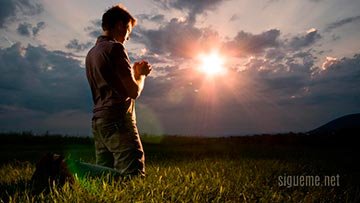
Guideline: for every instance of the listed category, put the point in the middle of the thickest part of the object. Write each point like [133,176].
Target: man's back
[106,64]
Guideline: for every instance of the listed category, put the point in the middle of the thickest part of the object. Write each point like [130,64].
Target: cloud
[94,29]
[311,37]
[35,78]
[280,79]
[37,84]
[24,29]
[39,26]
[11,9]
[77,46]
[191,40]
[162,40]
[336,87]
[342,22]
[245,43]
[330,61]
[194,8]
[158,18]
[278,89]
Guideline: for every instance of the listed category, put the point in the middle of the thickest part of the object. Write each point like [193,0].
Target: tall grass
[185,170]
[195,180]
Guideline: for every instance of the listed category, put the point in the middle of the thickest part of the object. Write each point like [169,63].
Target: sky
[288,65]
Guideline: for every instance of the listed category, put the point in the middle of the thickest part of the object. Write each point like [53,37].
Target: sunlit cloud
[329,62]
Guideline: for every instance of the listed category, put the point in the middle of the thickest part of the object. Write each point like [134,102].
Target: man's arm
[132,78]
[135,84]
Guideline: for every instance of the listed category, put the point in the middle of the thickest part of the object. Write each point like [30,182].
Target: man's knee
[130,161]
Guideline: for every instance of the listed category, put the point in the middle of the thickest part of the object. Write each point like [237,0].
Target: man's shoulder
[106,47]
[108,42]
[117,47]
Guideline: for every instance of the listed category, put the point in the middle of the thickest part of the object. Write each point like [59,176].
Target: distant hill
[349,124]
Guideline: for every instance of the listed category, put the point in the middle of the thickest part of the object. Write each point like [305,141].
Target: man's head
[118,22]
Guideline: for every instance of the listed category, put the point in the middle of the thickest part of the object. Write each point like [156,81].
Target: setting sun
[211,64]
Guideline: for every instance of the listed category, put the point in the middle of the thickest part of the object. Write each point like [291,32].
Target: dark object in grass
[54,170]
[51,170]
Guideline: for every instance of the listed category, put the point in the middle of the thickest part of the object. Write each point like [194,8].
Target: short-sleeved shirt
[107,64]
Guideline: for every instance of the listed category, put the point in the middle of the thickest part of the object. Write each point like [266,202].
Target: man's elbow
[134,96]
[134,93]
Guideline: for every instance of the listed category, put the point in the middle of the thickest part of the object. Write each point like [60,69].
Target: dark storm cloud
[194,8]
[246,43]
[346,70]
[11,9]
[336,87]
[7,9]
[77,46]
[341,23]
[283,77]
[42,90]
[311,37]
[24,29]
[297,81]
[38,79]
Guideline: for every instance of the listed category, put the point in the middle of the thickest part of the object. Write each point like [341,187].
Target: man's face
[128,31]
[122,32]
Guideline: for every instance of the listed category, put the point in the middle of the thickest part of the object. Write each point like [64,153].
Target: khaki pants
[118,146]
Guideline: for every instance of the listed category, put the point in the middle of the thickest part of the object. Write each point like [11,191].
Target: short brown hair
[115,14]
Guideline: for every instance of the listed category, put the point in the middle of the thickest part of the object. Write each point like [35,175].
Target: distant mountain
[349,124]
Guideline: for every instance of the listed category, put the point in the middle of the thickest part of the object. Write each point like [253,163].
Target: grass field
[184,169]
